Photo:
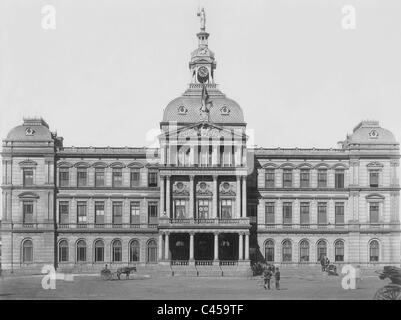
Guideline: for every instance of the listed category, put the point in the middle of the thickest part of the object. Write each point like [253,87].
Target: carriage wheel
[106,275]
[389,292]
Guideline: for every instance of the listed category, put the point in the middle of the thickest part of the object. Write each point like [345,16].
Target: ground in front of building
[148,286]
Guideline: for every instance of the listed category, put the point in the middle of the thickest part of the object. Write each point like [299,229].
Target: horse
[125,270]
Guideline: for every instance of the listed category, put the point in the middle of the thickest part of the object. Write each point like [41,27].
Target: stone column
[160,247]
[191,197]
[238,198]
[162,209]
[166,246]
[247,246]
[215,155]
[191,246]
[215,197]
[240,246]
[216,246]
[168,206]
[244,202]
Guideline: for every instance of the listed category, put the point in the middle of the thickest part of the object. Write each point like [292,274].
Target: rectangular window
[287,178]
[28,211]
[134,210]
[82,177]
[134,178]
[28,177]
[339,179]
[322,213]
[117,178]
[63,208]
[179,209]
[117,212]
[269,178]
[153,179]
[374,212]
[269,218]
[322,178]
[81,212]
[99,212]
[64,177]
[99,177]
[304,208]
[287,213]
[374,179]
[339,213]
[203,209]
[304,178]
[226,209]
[152,212]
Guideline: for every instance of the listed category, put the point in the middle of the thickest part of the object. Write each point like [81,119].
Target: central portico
[203,172]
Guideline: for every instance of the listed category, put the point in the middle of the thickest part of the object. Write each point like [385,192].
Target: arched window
[99,251]
[321,249]
[304,251]
[287,251]
[63,251]
[374,251]
[269,251]
[152,252]
[339,251]
[81,251]
[134,250]
[27,251]
[117,251]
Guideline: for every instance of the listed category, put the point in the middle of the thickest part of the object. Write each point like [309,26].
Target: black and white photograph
[190,150]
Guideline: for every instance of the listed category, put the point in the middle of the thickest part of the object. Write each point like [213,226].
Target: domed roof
[370,132]
[186,109]
[31,130]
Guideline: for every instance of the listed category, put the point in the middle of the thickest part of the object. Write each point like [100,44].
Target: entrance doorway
[203,246]
[179,246]
[228,246]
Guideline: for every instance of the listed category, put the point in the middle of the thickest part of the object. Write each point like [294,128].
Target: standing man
[323,262]
[277,277]
[267,275]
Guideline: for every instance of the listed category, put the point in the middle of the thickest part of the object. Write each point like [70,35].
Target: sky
[104,75]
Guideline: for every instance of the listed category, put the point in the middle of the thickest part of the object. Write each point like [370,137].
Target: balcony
[104,226]
[204,222]
[333,228]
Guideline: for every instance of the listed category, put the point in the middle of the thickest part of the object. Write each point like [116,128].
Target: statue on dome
[202,16]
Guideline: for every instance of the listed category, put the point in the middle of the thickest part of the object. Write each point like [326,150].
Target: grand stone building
[202,201]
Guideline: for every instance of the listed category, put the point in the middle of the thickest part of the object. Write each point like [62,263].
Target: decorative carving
[181,188]
[203,188]
[227,188]
[29,131]
[373,134]
[375,164]
[182,110]
[224,110]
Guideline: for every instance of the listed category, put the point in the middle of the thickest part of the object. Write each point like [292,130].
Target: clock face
[203,73]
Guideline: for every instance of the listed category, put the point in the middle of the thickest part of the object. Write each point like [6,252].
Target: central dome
[186,109]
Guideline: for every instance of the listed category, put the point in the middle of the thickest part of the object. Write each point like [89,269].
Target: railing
[106,226]
[229,263]
[29,225]
[242,221]
[203,262]
[351,226]
[179,262]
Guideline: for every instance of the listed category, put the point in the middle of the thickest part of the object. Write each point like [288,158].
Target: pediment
[204,130]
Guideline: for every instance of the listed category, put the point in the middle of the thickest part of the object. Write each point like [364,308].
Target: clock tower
[202,64]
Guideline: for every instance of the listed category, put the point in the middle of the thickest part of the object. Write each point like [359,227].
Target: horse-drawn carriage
[392,291]
[107,274]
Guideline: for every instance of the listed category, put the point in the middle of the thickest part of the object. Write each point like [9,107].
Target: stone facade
[202,198]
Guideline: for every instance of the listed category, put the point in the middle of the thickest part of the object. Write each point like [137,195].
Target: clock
[203,74]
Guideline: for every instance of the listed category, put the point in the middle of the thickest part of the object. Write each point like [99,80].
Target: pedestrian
[267,275]
[277,277]
[323,262]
